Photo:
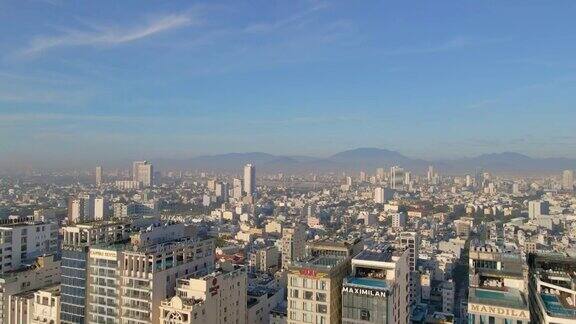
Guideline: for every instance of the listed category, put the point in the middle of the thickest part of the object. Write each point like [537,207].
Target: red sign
[308,272]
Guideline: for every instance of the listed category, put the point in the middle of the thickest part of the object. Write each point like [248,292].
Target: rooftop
[321,262]
[556,308]
[440,318]
[367,283]
[382,254]
[512,298]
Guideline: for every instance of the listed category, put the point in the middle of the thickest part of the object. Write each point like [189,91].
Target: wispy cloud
[45,96]
[295,19]
[451,44]
[29,117]
[101,35]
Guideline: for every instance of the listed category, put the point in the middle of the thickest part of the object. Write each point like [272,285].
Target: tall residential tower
[249,179]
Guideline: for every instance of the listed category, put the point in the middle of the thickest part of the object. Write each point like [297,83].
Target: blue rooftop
[512,298]
[367,282]
[555,308]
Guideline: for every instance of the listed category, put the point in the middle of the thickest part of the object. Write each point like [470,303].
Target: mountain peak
[367,152]
[505,155]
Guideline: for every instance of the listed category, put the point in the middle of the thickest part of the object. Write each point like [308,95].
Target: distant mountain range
[369,159]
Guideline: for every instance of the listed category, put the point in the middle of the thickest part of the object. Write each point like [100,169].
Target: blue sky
[102,80]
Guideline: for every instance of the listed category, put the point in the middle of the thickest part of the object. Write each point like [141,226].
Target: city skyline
[287,162]
[180,79]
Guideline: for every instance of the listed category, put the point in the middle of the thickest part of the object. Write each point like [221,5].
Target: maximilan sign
[502,312]
[365,291]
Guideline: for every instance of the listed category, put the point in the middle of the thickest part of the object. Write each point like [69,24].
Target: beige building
[35,307]
[216,298]
[348,248]
[314,289]
[273,227]
[316,280]
[463,227]
[143,172]
[265,259]
[46,305]
[293,244]
[43,273]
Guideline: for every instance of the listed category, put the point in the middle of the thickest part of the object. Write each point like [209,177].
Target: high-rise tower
[249,179]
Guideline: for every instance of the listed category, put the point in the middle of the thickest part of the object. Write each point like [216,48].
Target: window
[321,297]
[308,295]
[364,314]
[294,281]
[295,293]
[322,308]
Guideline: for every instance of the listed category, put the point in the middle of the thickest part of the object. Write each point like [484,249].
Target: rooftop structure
[497,286]
[377,290]
[553,288]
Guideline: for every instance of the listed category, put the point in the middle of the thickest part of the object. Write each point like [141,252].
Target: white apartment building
[568,180]
[249,179]
[100,208]
[22,241]
[98,176]
[399,220]
[383,195]
[128,282]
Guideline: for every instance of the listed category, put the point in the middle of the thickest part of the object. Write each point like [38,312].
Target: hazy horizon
[115,81]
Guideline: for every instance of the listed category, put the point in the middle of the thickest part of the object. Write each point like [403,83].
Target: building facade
[497,292]
[377,289]
[218,297]
[315,289]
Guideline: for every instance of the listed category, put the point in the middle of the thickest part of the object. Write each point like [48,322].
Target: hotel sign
[498,311]
[365,292]
[103,254]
